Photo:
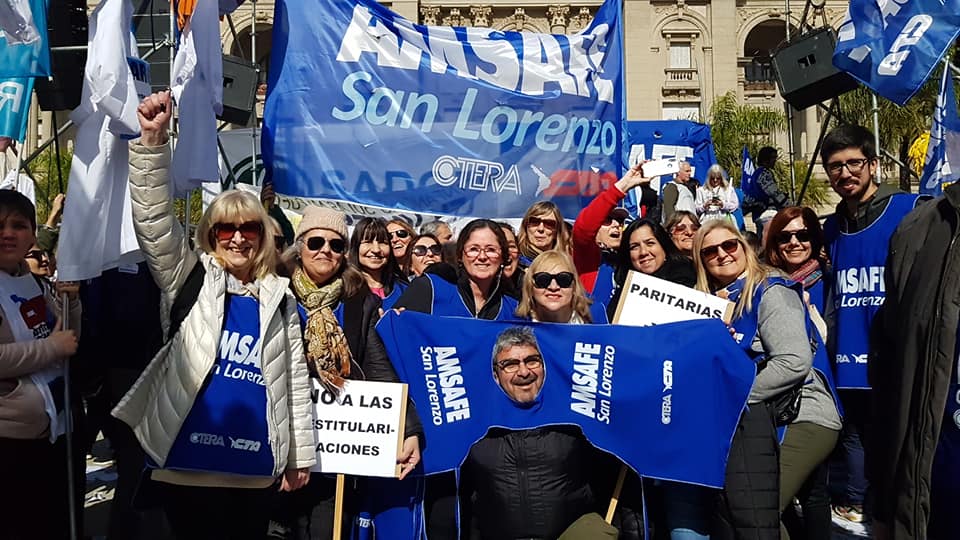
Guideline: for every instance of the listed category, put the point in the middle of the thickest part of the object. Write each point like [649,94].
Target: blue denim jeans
[856,405]
[687,510]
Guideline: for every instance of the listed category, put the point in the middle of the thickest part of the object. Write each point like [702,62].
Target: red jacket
[586,252]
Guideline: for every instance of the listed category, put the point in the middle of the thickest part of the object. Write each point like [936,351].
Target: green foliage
[733,125]
[47,181]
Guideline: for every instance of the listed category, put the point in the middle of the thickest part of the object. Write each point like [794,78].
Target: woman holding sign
[223,410]
[795,245]
[338,314]
[770,324]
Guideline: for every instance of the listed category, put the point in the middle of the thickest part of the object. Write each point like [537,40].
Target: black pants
[748,508]
[204,513]
[308,511]
[36,501]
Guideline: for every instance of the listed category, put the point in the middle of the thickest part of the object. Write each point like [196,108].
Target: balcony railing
[681,78]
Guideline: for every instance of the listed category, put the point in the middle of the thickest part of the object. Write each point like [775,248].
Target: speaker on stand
[805,72]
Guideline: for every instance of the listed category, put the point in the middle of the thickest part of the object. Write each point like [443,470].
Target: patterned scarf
[328,356]
[808,274]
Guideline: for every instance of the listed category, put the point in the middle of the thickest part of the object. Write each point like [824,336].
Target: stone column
[558,18]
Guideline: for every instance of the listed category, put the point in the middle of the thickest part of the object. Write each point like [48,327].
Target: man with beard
[856,237]
[597,232]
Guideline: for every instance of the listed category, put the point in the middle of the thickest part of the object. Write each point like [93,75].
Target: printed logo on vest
[455,404]
[586,387]
[207,439]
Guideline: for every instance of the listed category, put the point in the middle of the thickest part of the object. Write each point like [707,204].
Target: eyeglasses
[852,165]
[542,280]
[37,254]
[548,223]
[421,251]
[712,252]
[474,251]
[316,243]
[683,229]
[399,233]
[611,220]
[249,230]
[512,365]
[802,236]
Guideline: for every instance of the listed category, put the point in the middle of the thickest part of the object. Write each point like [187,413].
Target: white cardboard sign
[648,301]
[360,432]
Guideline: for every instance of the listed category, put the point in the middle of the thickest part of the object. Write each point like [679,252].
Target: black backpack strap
[186,298]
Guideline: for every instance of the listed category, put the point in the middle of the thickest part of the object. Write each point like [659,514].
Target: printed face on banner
[450,120]
[519,371]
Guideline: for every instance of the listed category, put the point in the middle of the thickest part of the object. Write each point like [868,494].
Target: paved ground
[101,478]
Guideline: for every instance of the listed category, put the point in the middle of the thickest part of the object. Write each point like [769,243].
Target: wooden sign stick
[615,498]
[338,508]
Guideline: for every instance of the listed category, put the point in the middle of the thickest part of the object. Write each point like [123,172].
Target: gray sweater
[782,338]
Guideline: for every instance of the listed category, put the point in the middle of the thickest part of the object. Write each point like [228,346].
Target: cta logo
[666,407]
[207,439]
[854,358]
[244,444]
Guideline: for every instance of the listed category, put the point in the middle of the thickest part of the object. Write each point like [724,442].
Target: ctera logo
[244,444]
[207,439]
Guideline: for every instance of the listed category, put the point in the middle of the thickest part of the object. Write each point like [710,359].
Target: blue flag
[684,389]
[661,139]
[15,107]
[24,50]
[367,108]
[892,47]
[748,180]
[943,150]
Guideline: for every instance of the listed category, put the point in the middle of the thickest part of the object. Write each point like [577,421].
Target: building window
[681,111]
[680,55]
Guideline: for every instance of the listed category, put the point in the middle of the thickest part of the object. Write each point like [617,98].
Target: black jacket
[360,316]
[912,354]
[529,484]
[419,295]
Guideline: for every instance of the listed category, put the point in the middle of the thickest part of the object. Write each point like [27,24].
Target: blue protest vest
[685,389]
[817,293]
[447,301]
[858,287]
[747,324]
[226,430]
[398,287]
[604,286]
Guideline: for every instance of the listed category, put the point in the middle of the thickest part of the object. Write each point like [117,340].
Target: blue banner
[892,47]
[367,108]
[943,149]
[660,139]
[15,107]
[685,389]
[24,50]
[748,179]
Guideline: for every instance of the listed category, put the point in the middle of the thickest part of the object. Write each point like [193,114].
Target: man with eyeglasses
[531,483]
[856,237]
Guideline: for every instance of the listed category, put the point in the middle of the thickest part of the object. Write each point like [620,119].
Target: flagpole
[789,110]
[256,66]
[876,130]
[68,417]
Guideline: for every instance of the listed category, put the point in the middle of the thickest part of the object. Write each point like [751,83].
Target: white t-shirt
[198,89]
[97,229]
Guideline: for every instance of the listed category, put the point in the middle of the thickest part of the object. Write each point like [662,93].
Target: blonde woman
[770,324]
[542,229]
[223,411]
[552,292]
[716,199]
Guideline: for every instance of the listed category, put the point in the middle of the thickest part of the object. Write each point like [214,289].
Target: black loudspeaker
[239,90]
[805,71]
[66,27]
[151,29]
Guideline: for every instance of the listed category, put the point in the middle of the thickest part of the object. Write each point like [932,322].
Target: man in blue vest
[856,239]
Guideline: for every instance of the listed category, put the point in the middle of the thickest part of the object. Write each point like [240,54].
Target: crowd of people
[854,345]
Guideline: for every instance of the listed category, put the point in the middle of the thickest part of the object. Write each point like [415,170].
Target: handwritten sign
[360,432]
[648,301]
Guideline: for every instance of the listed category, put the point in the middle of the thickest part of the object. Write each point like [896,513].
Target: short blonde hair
[756,271]
[236,206]
[581,303]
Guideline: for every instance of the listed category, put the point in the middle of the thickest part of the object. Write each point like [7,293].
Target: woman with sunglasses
[232,370]
[770,324]
[552,293]
[401,236]
[42,263]
[795,245]
[716,199]
[542,228]
[423,251]
[338,315]
[371,253]
[471,289]
[683,226]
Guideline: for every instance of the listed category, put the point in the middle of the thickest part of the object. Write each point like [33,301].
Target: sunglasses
[400,233]
[512,365]
[37,254]
[548,223]
[802,236]
[542,280]
[681,229]
[421,251]
[611,220]
[249,230]
[316,243]
[712,252]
